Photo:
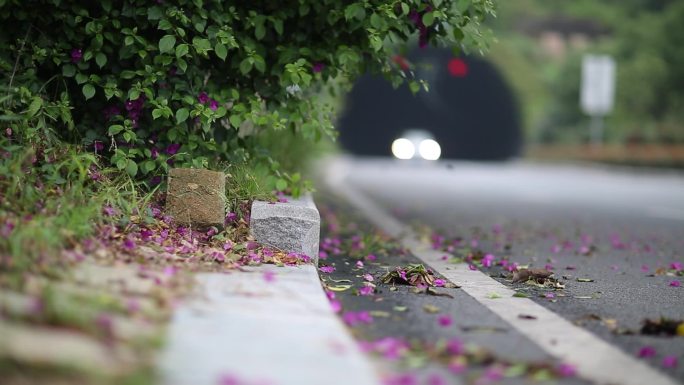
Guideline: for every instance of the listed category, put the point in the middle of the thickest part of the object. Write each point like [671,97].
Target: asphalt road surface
[619,231]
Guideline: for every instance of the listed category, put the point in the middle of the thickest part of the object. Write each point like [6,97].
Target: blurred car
[416,144]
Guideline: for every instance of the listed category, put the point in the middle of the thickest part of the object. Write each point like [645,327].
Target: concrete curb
[292,226]
[265,325]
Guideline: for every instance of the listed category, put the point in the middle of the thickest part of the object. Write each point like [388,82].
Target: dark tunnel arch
[473,117]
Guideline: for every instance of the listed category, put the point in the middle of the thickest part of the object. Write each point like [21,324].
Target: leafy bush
[193,83]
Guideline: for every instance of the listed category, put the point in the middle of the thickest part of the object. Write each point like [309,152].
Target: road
[619,229]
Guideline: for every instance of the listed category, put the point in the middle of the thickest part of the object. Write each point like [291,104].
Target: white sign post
[597,93]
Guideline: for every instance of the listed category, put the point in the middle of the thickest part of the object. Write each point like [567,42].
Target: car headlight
[403,148]
[429,149]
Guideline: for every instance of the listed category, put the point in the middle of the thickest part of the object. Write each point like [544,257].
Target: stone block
[293,226]
[196,197]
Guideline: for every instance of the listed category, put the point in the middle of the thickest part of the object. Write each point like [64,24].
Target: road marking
[282,332]
[595,359]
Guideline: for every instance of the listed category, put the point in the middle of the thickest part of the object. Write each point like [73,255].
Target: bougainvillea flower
[566,370]
[213,105]
[455,346]
[646,351]
[676,266]
[488,260]
[336,306]
[202,97]
[322,255]
[472,267]
[366,290]
[439,282]
[675,283]
[401,379]
[444,320]
[326,269]
[371,257]
[359,264]
[269,276]
[76,55]
[670,361]
[172,148]
[368,277]
[317,67]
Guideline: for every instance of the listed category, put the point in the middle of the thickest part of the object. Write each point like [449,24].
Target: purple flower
[371,257]
[129,244]
[454,346]
[326,269]
[155,180]
[173,148]
[203,97]
[488,260]
[318,67]
[444,320]
[336,306]
[675,283]
[111,112]
[670,361]
[677,266]
[214,105]
[359,264]
[439,282]
[646,351]
[76,55]
[472,267]
[269,276]
[98,146]
[109,210]
[366,290]
[566,370]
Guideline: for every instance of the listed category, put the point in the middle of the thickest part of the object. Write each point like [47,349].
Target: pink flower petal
[444,320]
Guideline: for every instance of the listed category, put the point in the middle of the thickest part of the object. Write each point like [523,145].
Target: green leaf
[100,59]
[148,166]
[246,66]
[156,113]
[519,294]
[182,50]
[376,21]
[281,184]
[164,25]
[221,51]
[115,129]
[154,13]
[182,65]
[81,78]
[414,86]
[428,19]
[181,115]
[88,91]
[121,164]
[166,43]
[355,11]
[35,105]
[68,70]
[260,31]
[131,168]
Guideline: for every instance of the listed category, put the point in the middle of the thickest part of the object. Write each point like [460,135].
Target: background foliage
[644,36]
[195,83]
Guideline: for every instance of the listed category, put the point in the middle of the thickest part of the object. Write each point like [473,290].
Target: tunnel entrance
[470,110]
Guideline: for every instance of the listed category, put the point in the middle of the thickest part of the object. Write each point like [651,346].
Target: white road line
[595,359]
[282,332]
